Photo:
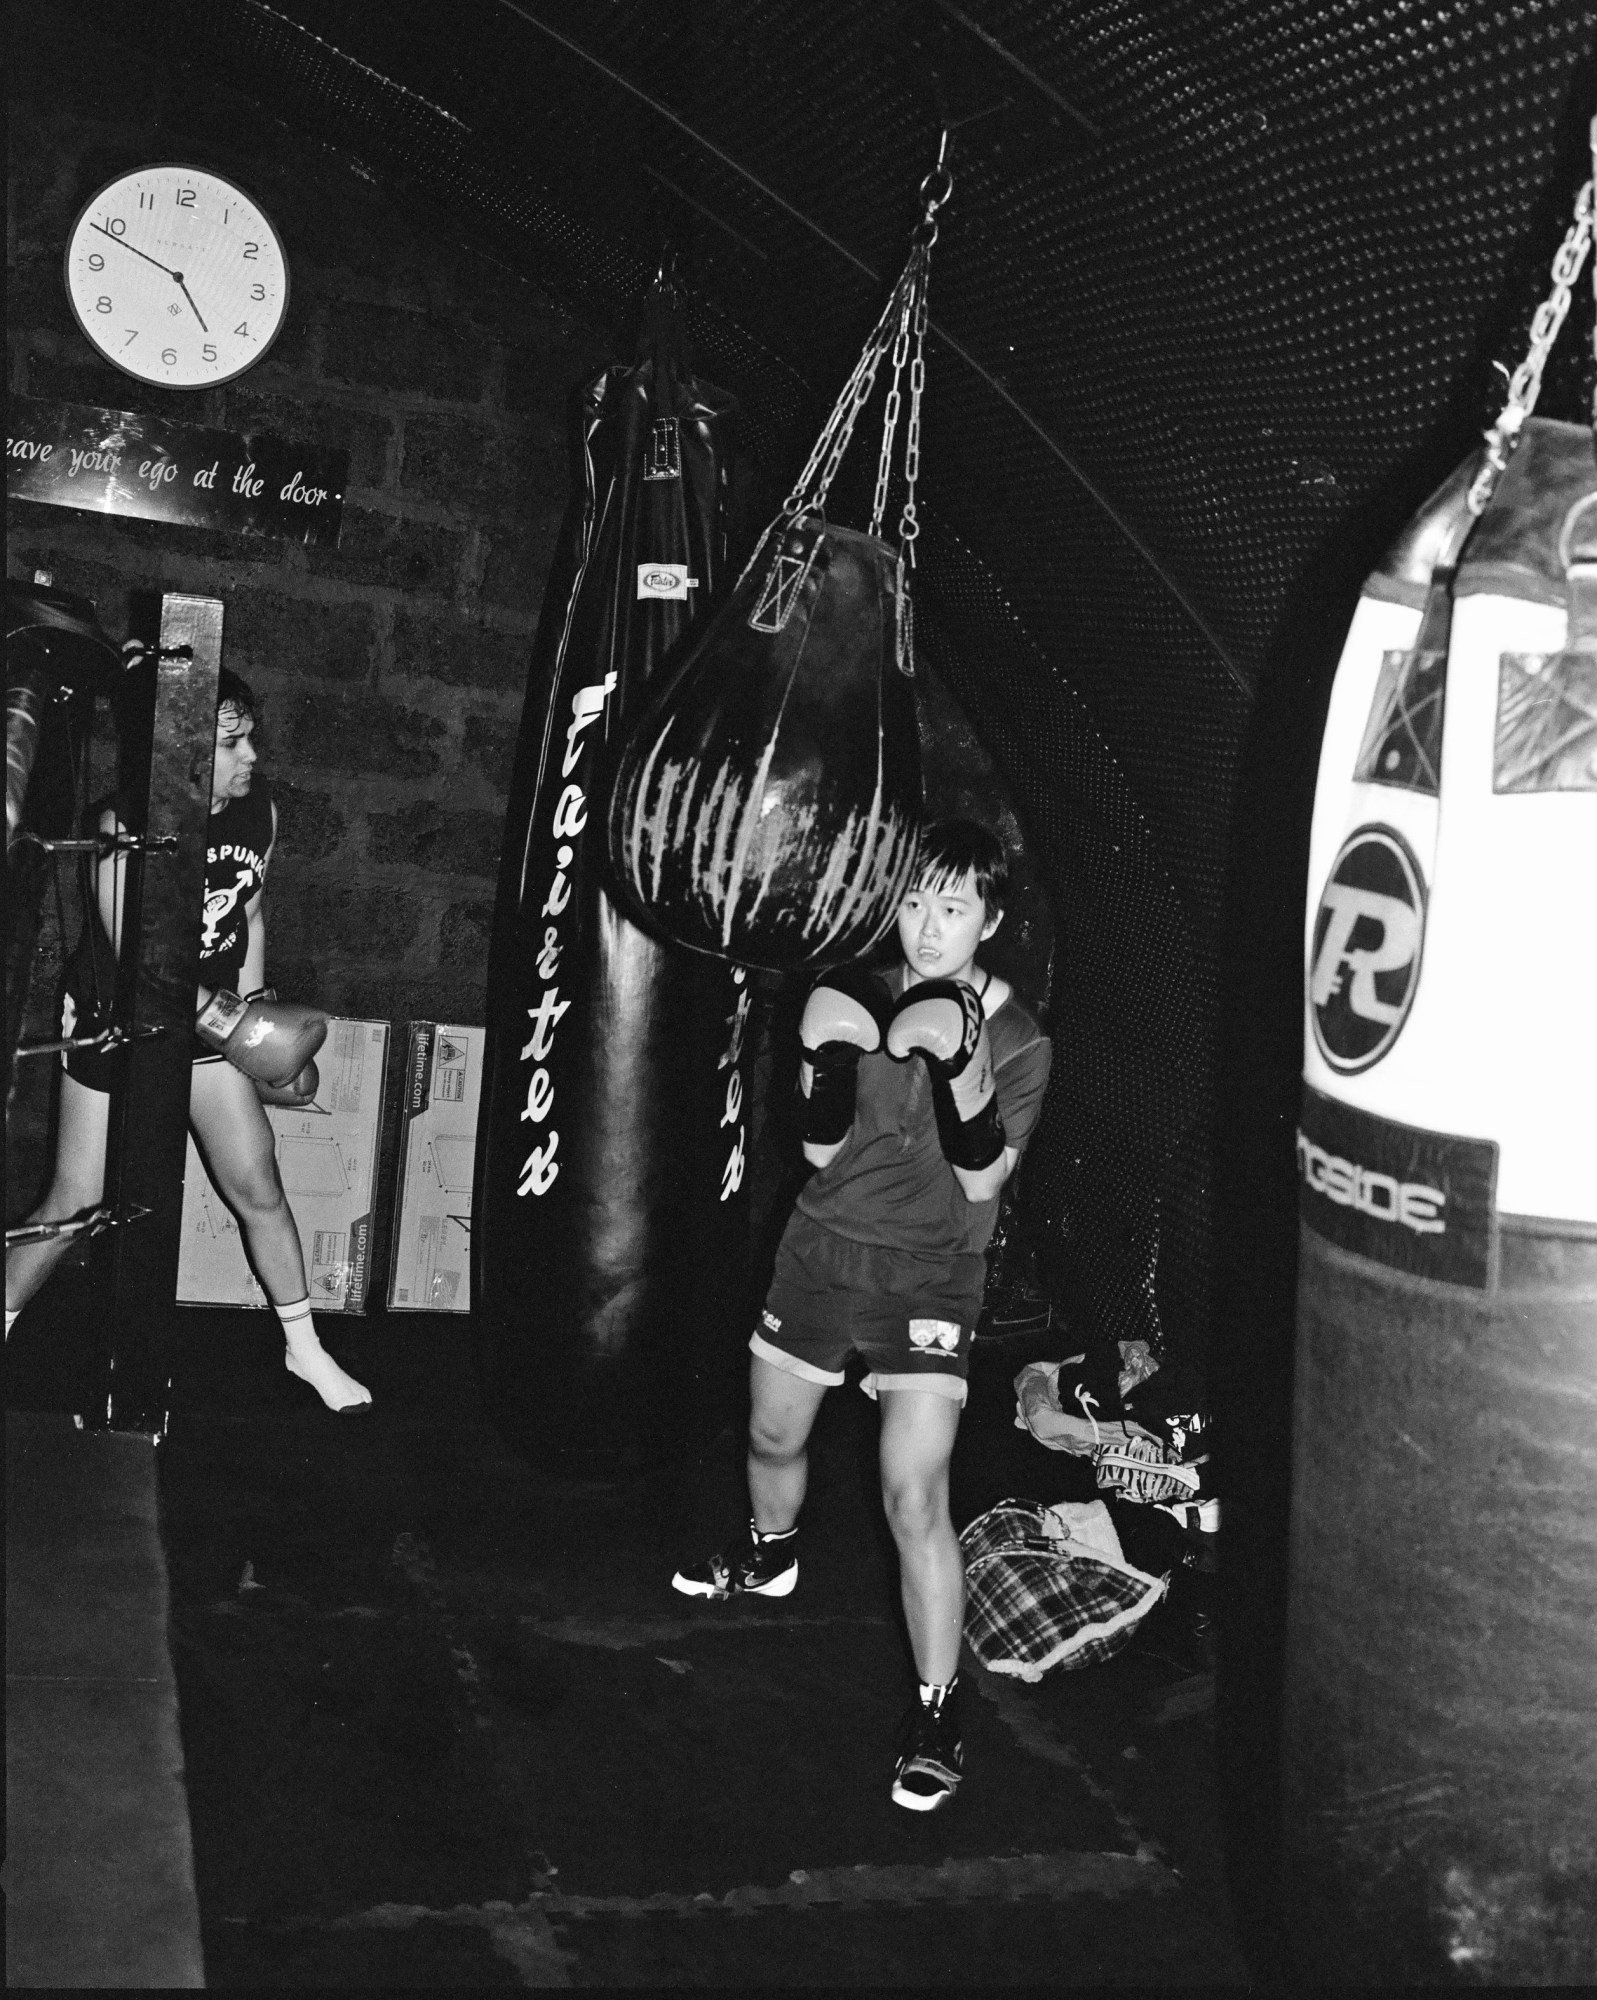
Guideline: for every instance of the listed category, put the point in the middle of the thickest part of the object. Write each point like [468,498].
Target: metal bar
[106,1040]
[102,844]
[92,1224]
[157,975]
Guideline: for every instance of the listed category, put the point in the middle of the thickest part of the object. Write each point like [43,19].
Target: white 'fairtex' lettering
[560,888]
[571,813]
[587,705]
[1387,1199]
[545,1018]
[732,1171]
[540,1095]
[539,1168]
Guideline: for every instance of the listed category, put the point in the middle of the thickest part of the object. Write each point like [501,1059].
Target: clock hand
[126,245]
[190,297]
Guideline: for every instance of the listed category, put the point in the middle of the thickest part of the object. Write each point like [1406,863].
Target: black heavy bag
[767,806]
[767,803]
[1440,1750]
[609,1215]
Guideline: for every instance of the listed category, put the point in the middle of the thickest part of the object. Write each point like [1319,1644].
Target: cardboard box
[430,1266]
[327,1156]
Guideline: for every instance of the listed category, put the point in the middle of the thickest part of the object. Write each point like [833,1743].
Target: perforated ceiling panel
[1217,299]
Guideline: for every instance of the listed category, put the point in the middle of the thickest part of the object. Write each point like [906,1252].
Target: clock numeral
[132,333]
[96,262]
[102,305]
[115,226]
[146,200]
[208,351]
[242,327]
[252,250]
[169,356]
[257,291]
[184,198]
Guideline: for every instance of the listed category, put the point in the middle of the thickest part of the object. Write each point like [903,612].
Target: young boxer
[919,1088]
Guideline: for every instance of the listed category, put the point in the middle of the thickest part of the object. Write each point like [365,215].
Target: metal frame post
[159,960]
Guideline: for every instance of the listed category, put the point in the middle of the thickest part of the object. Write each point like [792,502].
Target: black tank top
[236,842]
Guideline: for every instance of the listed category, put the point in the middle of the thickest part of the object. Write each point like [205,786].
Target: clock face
[177,277]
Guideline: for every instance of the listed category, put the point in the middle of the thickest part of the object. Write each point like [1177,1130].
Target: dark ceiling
[1217,299]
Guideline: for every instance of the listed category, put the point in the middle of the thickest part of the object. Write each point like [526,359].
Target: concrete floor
[445,1722]
[99,1877]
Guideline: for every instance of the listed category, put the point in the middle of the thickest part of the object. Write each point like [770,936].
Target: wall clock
[177,276]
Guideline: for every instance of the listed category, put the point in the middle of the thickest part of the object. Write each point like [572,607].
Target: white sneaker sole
[922,1801]
[779,1586]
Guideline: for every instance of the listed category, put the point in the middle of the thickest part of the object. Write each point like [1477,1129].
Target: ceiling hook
[938,184]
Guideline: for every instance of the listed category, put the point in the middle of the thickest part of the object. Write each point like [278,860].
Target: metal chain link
[1526,382]
[895,403]
[909,526]
[903,318]
[815,481]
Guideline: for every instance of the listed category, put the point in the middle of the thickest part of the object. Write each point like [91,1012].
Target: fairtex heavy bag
[767,804]
[1441,1701]
[609,1215]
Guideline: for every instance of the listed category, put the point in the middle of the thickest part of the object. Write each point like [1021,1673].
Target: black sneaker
[930,1756]
[767,1567]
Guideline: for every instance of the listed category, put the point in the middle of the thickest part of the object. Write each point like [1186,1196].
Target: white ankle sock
[311,1362]
[933,1694]
[11,1320]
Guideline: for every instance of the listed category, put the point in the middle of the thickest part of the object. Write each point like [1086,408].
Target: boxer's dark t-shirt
[891,1184]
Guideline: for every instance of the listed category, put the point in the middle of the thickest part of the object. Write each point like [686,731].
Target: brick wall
[391,669]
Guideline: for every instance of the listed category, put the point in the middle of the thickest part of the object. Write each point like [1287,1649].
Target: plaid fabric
[1033,1602]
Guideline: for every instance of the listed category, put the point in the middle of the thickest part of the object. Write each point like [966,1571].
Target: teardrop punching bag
[767,802]
[609,1217]
[1440,1747]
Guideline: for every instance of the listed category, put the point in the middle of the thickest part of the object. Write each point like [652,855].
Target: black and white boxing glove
[842,1020]
[942,1019]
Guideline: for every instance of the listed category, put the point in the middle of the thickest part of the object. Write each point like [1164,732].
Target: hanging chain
[909,526]
[884,462]
[903,318]
[1526,383]
[810,490]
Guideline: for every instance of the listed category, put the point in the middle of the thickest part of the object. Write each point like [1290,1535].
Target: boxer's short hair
[952,848]
[233,691]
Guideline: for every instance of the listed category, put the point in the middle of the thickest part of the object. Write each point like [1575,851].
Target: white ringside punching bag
[1441,1702]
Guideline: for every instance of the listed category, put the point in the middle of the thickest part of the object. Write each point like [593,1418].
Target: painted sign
[119,462]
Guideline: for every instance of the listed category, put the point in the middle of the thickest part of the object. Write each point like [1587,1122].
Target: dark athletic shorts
[911,1316]
[84,1011]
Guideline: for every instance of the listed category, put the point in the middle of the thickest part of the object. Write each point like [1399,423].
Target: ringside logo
[1418,1201]
[1368,934]
[1382,1196]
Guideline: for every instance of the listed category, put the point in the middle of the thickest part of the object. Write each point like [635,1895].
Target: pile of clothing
[1053,1586]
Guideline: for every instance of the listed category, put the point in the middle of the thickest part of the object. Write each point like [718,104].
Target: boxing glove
[842,1021]
[270,1040]
[292,1096]
[943,1020]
